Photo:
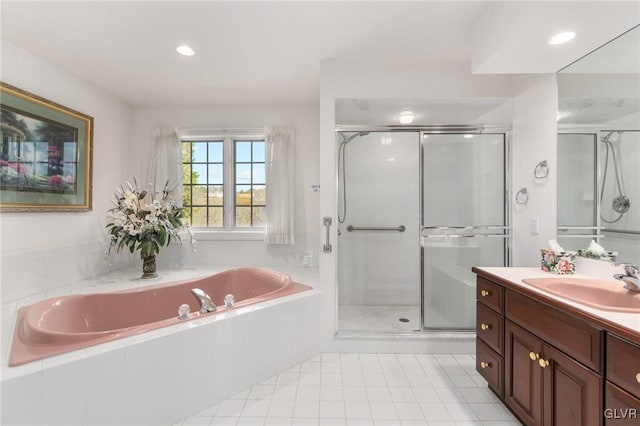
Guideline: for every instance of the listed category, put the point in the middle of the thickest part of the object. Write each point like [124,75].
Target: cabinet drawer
[490,366]
[576,337]
[489,293]
[620,407]
[489,327]
[623,364]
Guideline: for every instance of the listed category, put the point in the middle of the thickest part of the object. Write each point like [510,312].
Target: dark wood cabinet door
[572,392]
[523,374]
[620,407]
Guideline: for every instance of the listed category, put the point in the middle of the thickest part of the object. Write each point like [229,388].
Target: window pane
[199,216]
[216,196]
[243,173]
[186,152]
[243,152]
[258,152]
[243,216]
[259,194]
[186,195]
[243,195]
[216,154]
[258,173]
[216,174]
[186,173]
[258,216]
[69,151]
[187,215]
[199,195]
[215,217]
[199,152]
[199,173]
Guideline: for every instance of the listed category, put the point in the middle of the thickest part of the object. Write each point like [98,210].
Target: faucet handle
[632,270]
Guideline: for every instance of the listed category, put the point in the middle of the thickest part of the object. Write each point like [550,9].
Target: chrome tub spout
[206,304]
[631,277]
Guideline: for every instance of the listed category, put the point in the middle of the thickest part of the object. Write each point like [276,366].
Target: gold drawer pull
[533,356]
[485,364]
[543,363]
[485,293]
[638,377]
[485,326]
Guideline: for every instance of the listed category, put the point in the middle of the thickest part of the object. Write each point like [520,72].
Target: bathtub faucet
[631,277]
[206,304]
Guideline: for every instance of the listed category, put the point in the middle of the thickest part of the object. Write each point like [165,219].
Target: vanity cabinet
[490,334]
[622,389]
[552,362]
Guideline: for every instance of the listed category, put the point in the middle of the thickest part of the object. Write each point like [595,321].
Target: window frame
[228,231]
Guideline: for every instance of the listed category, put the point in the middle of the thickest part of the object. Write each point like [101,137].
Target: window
[223,181]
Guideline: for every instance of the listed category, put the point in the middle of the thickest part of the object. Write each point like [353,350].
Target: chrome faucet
[206,304]
[630,277]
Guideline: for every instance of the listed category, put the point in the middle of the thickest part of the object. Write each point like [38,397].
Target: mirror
[599,149]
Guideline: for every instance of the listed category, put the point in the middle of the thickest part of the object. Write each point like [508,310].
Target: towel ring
[522,196]
[541,170]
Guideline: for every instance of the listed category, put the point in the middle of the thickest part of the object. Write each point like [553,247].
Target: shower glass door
[378,232]
[464,222]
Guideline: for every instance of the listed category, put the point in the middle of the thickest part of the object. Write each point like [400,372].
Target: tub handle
[327,225]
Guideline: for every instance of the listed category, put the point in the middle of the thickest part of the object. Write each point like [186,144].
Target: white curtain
[166,162]
[280,169]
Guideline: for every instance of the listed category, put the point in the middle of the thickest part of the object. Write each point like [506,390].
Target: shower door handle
[327,225]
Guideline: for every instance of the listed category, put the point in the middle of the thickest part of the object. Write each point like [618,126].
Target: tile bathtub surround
[366,389]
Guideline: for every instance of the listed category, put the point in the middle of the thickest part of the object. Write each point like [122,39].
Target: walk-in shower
[417,209]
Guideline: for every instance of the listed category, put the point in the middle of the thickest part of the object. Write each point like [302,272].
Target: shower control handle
[326,221]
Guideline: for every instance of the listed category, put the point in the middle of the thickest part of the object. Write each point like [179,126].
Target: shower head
[346,139]
[615,135]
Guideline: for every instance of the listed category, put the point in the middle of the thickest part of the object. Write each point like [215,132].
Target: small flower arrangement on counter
[140,221]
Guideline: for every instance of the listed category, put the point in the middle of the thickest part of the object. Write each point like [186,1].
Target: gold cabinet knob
[543,363]
[485,364]
[638,377]
[485,326]
[533,356]
[485,293]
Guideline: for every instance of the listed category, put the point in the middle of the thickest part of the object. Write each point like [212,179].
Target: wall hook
[522,196]
[541,170]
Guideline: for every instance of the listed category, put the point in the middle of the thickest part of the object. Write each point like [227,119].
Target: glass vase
[149,266]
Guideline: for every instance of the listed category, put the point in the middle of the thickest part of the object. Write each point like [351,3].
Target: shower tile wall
[382,175]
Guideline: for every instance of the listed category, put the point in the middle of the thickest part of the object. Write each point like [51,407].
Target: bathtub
[63,324]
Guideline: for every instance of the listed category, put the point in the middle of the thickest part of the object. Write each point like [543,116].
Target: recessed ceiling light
[468,136]
[406,117]
[185,50]
[562,37]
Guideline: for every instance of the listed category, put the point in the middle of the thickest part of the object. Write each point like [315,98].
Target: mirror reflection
[599,149]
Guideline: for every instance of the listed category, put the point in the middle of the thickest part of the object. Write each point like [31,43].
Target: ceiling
[261,52]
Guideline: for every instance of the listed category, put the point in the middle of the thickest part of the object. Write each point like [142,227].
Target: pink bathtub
[67,323]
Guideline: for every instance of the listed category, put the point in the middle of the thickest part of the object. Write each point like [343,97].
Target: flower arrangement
[139,221]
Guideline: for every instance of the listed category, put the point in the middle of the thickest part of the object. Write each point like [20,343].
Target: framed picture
[45,154]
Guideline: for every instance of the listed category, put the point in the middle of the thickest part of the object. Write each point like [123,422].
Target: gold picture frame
[46,154]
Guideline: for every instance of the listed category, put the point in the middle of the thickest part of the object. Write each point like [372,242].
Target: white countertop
[627,320]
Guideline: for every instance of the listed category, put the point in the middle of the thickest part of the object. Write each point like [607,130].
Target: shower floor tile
[378,318]
[405,389]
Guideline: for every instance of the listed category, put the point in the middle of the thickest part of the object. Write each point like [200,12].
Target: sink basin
[596,293]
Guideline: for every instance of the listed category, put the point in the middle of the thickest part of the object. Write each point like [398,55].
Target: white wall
[303,118]
[534,140]
[41,251]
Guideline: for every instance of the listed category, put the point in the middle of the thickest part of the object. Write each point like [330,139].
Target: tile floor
[366,389]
